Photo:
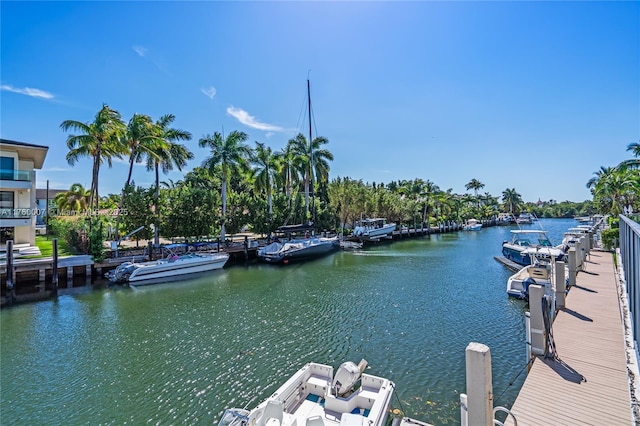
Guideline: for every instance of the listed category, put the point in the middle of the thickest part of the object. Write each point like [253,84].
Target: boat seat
[315,421]
[272,414]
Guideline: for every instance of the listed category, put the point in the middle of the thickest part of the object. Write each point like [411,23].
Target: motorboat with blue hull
[298,249]
[525,242]
[314,396]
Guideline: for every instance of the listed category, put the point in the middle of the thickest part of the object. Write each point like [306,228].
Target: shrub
[609,238]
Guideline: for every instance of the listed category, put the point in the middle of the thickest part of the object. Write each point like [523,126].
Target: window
[6,168]
[6,199]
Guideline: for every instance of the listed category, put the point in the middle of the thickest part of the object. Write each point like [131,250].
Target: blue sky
[534,96]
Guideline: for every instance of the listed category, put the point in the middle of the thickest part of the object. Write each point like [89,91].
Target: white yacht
[472,225]
[313,396]
[374,228]
[143,273]
[525,242]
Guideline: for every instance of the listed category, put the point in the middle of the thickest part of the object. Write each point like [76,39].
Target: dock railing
[630,260]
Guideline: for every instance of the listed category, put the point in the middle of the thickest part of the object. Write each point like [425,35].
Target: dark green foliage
[610,238]
[137,211]
[190,213]
[96,239]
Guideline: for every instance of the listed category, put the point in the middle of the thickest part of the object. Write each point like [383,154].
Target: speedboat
[505,219]
[298,249]
[525,218]
[313,396]
[374,228]
[143,273]
[472,225]
[525,242]
[537,273]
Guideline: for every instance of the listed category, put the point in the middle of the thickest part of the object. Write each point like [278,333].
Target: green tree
[75,199]
[313,162]
[231,154]
[137,211]
[476,185]
[512,200]
[265,169]
[100,140]
[166,156]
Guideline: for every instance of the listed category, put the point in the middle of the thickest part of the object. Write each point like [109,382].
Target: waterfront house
[18,208]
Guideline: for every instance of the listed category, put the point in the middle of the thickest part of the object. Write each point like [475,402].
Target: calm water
[181,353]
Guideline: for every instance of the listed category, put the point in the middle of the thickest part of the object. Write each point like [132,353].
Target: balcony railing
[16,174]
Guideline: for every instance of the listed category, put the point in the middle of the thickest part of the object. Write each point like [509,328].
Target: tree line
[242,186]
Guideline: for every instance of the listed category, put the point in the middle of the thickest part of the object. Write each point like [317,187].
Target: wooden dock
[588,383]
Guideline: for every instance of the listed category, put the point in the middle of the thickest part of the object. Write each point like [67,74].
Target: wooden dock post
[479,385]
[246,248]
[69,276]
[150,250]
[11,291]
[573,266]
[538,337]
[54,277]
[560,285]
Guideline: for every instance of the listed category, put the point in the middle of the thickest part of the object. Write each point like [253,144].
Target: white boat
[298,249]
[537,273]
[472,225]
[313,396]
[525,218]
[374,228]
[525,241]
[143,273]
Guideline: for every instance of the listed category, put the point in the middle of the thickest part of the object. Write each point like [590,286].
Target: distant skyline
[535,96]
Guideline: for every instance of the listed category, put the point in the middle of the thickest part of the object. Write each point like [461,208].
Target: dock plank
[588,383]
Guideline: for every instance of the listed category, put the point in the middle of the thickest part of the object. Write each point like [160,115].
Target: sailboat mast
[313,210]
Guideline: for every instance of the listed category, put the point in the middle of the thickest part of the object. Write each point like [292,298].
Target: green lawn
[46,247]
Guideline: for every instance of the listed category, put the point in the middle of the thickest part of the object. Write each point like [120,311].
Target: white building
[18,208]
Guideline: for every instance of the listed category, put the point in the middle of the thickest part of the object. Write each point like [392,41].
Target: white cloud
[209,91]
[56,169]
[140,50]
[29,91]
[243,117]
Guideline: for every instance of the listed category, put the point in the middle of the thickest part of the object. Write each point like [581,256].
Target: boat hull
[306,251]
[154,272]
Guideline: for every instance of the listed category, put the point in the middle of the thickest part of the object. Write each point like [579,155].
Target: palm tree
[288,167]
[604,171]
[142,140]
[166,156]
[512,198]
[617,189]
[428,189]
[75,199]
[266,166]
[320,166]
[99,140]
[634,162]
[232,154]
[476,185]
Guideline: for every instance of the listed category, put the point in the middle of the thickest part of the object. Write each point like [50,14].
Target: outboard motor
[347,376]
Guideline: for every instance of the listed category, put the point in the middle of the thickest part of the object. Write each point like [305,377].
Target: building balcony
[16,179]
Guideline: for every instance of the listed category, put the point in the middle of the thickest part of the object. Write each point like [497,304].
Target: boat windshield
[232,417]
